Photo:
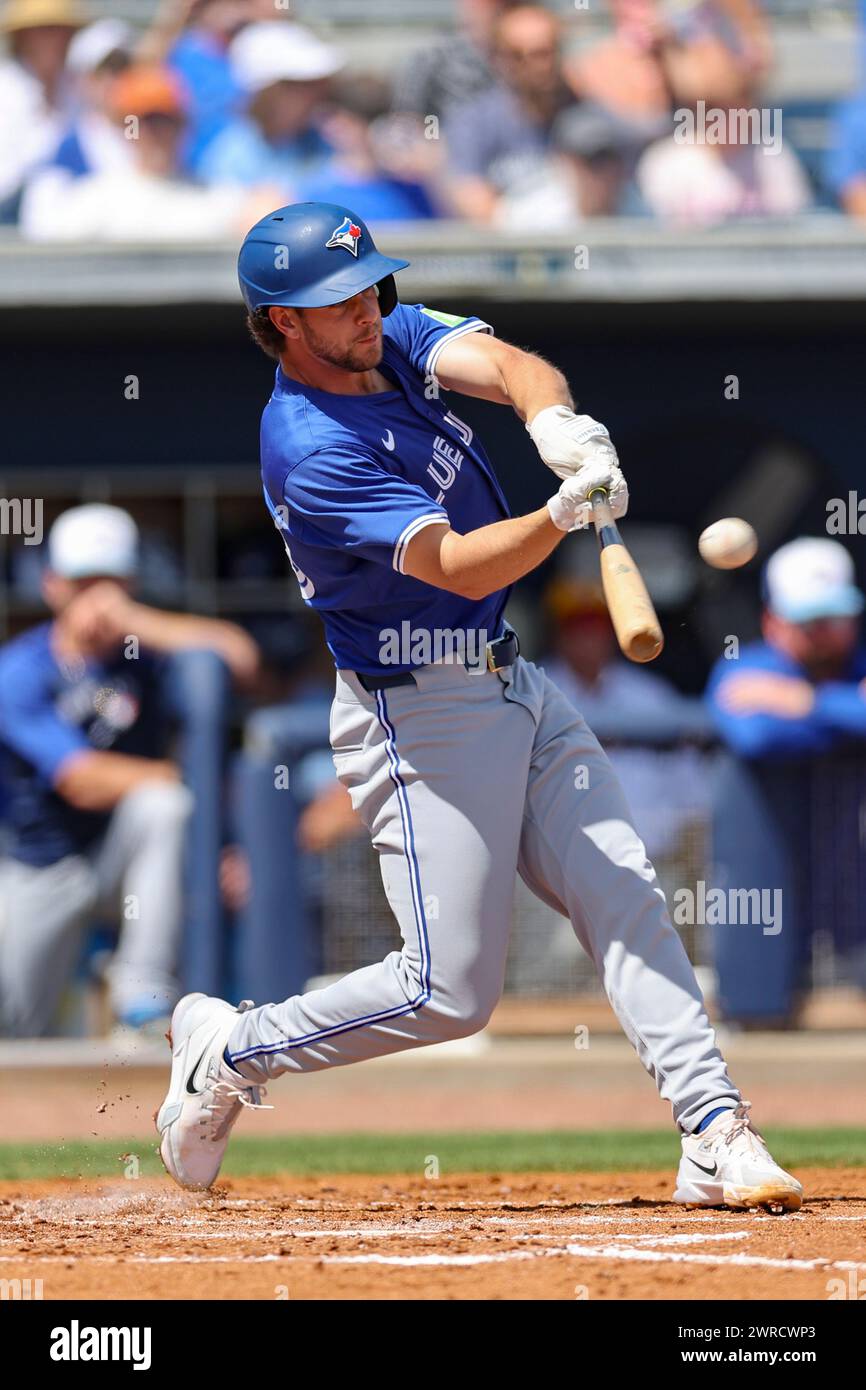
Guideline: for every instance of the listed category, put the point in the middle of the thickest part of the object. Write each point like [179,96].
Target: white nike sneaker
[729,1165]
[205,1095]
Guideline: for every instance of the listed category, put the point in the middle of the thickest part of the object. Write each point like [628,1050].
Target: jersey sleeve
[421,333]
[341,500]
[30,725]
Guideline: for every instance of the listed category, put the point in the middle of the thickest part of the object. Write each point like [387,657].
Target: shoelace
[742,1129]
[225,1097]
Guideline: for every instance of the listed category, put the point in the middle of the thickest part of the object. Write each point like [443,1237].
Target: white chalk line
[586,1252]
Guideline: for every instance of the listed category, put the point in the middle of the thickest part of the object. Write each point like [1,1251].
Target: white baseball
[728,543]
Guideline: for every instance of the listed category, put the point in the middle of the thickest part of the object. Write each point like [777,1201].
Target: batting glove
[567,441]
[569,508]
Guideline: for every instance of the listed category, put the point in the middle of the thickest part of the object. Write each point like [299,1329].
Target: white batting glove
[566,441]
[569,508]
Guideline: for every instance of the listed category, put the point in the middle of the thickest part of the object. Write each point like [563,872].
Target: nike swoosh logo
[191,1088]
[388,440]
[711,1172]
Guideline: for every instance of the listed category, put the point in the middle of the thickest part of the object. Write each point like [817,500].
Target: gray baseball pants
[133,873]
[462,781]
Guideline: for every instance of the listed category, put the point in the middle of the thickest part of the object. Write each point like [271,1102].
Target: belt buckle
[510,636]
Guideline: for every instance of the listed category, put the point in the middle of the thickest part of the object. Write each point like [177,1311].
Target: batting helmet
[312,254]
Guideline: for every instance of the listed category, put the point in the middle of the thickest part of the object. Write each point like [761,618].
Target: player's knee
[158,803]
[462,1016]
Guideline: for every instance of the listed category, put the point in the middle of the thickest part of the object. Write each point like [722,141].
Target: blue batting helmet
[312,254]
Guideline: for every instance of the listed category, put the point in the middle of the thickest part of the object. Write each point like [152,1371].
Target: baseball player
[464,760]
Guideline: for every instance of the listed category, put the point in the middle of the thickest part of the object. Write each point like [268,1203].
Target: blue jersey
[49,714]
[839,712]
[349,480]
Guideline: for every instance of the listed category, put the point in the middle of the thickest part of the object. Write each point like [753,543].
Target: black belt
[502,652]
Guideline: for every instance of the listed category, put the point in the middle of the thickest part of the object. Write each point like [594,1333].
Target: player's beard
[358,357]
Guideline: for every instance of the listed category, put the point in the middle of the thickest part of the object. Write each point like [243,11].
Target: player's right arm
[96,781]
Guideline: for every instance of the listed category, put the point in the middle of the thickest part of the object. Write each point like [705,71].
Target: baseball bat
[630,606]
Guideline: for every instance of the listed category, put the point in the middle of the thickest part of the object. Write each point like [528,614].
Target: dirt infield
[553,1236]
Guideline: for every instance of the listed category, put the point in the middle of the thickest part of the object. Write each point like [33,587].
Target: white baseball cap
[93,540]
[91,46]
[278,51]
[812,577]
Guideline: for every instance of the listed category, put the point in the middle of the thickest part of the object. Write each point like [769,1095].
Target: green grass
[511,1151]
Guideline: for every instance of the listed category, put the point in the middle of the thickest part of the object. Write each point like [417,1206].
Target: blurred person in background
[93,141]
[97,812]
[364,172]
[636,713]
[726,156]
[284,69]
[494,141]
[803,688]
[587,172]
[782,705]
[845,161]
[148,200]
[36,96]
[693,182]
[455,68]
[193,38]
[661,56]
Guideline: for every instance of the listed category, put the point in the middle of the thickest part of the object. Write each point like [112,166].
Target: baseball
[728,543]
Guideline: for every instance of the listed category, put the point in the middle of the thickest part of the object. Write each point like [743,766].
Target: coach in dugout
[790,805]
[96,810]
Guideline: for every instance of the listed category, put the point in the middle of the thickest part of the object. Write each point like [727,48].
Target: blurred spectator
[96,811]
[97,56]
[785,706]
[631,709]
[455,69]
[658,58]
[845,163]
[586,173]
[803,688]
[845,166]
[35,92]
[193,38]
[284,70]
[363,174]
[699,180]
[93,142]
[495,140]
[150,199]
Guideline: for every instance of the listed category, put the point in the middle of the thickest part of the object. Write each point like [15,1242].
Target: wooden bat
[630,606]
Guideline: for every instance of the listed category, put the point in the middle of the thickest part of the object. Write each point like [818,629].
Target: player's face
[347,335]
[822,646]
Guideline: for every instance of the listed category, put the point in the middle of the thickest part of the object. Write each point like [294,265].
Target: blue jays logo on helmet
[347,235]
[284,259]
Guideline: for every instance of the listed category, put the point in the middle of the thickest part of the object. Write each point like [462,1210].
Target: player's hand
[570,509]
[764,692]
[567,441]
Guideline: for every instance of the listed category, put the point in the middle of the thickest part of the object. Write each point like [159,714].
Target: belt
[501,652]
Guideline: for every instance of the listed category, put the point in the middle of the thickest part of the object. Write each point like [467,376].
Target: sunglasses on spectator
[528,55]
[161,120]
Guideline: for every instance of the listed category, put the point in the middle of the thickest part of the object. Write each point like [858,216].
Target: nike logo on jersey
[389,441]
[711,1172]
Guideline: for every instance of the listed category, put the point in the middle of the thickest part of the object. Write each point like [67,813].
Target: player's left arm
[478,365]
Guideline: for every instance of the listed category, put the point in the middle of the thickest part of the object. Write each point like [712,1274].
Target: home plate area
[559,1236]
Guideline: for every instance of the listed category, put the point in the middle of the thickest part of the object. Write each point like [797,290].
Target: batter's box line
[586,1252]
